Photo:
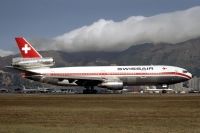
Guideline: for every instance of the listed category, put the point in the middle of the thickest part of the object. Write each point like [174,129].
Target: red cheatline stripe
[121,74]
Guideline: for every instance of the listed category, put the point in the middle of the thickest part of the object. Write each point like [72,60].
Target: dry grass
[99,114]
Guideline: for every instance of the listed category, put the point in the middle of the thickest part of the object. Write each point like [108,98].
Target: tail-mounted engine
[29,63]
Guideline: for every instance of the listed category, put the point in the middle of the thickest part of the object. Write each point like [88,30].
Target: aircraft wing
[78,80]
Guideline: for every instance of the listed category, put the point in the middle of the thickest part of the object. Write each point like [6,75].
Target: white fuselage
[129,75]
[112,77]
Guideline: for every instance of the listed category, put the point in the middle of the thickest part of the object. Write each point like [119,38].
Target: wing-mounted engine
[30,63]
[112,85]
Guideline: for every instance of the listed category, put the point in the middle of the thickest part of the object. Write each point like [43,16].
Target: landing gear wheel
[164,91]
[90,90]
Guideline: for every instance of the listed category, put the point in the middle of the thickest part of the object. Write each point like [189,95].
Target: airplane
[38,68]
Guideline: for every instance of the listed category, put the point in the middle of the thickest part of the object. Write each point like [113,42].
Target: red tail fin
[26,49]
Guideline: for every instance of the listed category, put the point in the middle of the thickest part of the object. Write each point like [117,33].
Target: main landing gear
[89,90]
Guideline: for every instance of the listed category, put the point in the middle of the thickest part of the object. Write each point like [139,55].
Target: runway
[99,113]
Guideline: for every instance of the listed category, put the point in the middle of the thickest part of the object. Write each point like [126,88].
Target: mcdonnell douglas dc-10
[37,68]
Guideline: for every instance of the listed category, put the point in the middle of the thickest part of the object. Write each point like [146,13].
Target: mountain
[185,54]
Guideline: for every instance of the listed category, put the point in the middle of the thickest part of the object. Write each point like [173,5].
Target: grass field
[99,114]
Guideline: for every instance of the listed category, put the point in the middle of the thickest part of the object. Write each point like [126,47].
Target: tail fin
[26,49]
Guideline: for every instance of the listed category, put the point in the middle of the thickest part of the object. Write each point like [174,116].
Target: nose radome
[191,76]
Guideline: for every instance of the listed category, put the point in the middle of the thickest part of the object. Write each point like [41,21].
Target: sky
[59,20]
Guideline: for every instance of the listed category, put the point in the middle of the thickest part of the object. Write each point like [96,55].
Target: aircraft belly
[150,80]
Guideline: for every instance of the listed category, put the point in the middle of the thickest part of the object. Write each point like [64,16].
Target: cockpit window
[184,71]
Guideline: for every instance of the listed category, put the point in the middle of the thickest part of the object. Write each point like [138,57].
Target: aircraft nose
[188,74]
[191,76]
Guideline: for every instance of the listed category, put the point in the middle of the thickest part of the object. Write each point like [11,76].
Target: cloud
[108,35]
[5,53]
